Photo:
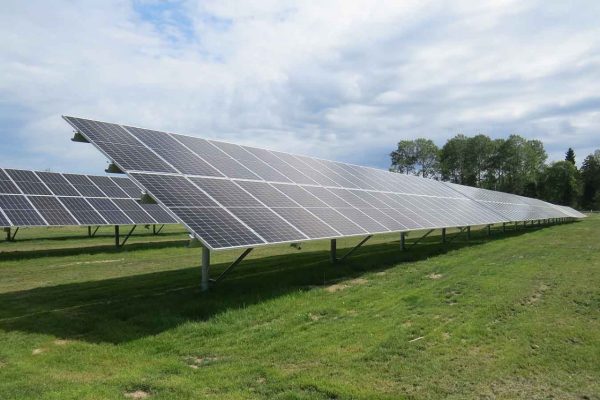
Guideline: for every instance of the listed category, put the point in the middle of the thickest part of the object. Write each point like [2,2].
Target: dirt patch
[197,362]
[95,262]
[382,273]
[434,276]
[138,394]
[341,286]
[36,352]
[536,296]
[445,336]
[62,342]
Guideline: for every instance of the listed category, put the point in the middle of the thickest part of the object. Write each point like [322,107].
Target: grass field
[516,315]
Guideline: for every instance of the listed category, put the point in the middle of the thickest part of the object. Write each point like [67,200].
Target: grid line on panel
[159,214]
[4,222]
[304,169]
[226,192]
[306,222]
[364,221]
[336,220]
[300,195]
[280,166]
[267,194]
[174,191]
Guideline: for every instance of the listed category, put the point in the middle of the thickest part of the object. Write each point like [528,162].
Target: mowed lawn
[516,315]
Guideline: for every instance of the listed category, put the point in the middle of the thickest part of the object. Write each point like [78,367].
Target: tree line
[514,165]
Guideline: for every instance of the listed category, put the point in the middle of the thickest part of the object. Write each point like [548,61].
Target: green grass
[512,316]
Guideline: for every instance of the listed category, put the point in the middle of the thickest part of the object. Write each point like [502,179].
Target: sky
[343,80]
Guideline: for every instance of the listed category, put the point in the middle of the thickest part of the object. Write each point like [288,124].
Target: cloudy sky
[337,79]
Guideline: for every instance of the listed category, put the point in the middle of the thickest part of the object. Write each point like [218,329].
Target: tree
[480,149]
[570,156]
[560,183]
[590,179]
[419,156]
[403,158]
[453,160]
[522,162]
[426,158]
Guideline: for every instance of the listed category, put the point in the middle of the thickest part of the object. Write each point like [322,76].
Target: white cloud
[339,79]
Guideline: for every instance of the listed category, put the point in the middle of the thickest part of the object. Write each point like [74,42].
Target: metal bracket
[466,228]
[78,137]
[117,238]
[92,234]
[352,250]
[9,237]
[156,232]
[421,238]
[232,265]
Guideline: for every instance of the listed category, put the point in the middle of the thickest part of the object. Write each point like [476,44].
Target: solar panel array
[35,198]
[232,196]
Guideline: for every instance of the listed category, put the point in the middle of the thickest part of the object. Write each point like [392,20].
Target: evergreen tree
[570,156]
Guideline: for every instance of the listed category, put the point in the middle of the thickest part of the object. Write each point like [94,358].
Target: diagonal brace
[462,230]
[128,236]
[155,231]
[421,238]
[352,250]
[9,237]
[233,265]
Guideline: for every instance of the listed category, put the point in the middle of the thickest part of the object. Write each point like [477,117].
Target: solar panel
[128,187]
[71,199]
[84,185]
[27,181]
[110,211]
[19,211]
[108,187]
[231,195]
[52,210]
[82,211]
[6,185]
[57,184]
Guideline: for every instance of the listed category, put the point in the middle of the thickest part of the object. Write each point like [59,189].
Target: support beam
[421,238]
[460,232]
[232,266]
[504,227]
[117,237]
[333,251]
[403,241]
[489,230]
[468,233]
[443,235]
[352,250]
[205,268]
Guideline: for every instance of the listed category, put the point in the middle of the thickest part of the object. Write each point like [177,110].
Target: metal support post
[443,235]
[539,222]
[333,251]
[403,241]
[117,236]
[421,238]
[7,230]
[205,268]
[10,237]
[89,231]
[516,226]
[504,227]
[468,233]
[489,229]
[154,229]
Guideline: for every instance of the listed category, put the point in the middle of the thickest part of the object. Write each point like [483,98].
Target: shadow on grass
[104,248]
[128,308]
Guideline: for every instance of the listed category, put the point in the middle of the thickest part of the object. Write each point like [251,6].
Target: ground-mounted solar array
[231,196]
[35,198]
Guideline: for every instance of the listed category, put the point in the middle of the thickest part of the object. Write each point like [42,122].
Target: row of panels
[26,210]
[228,213]
[239,196]
[19,181]
[35,198]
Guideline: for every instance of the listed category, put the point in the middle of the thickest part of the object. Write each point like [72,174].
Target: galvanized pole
[205,268]
[443,235]
[504,227]
[489,229]
[468,233]
[403,241]
[332,251]
[117,237]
